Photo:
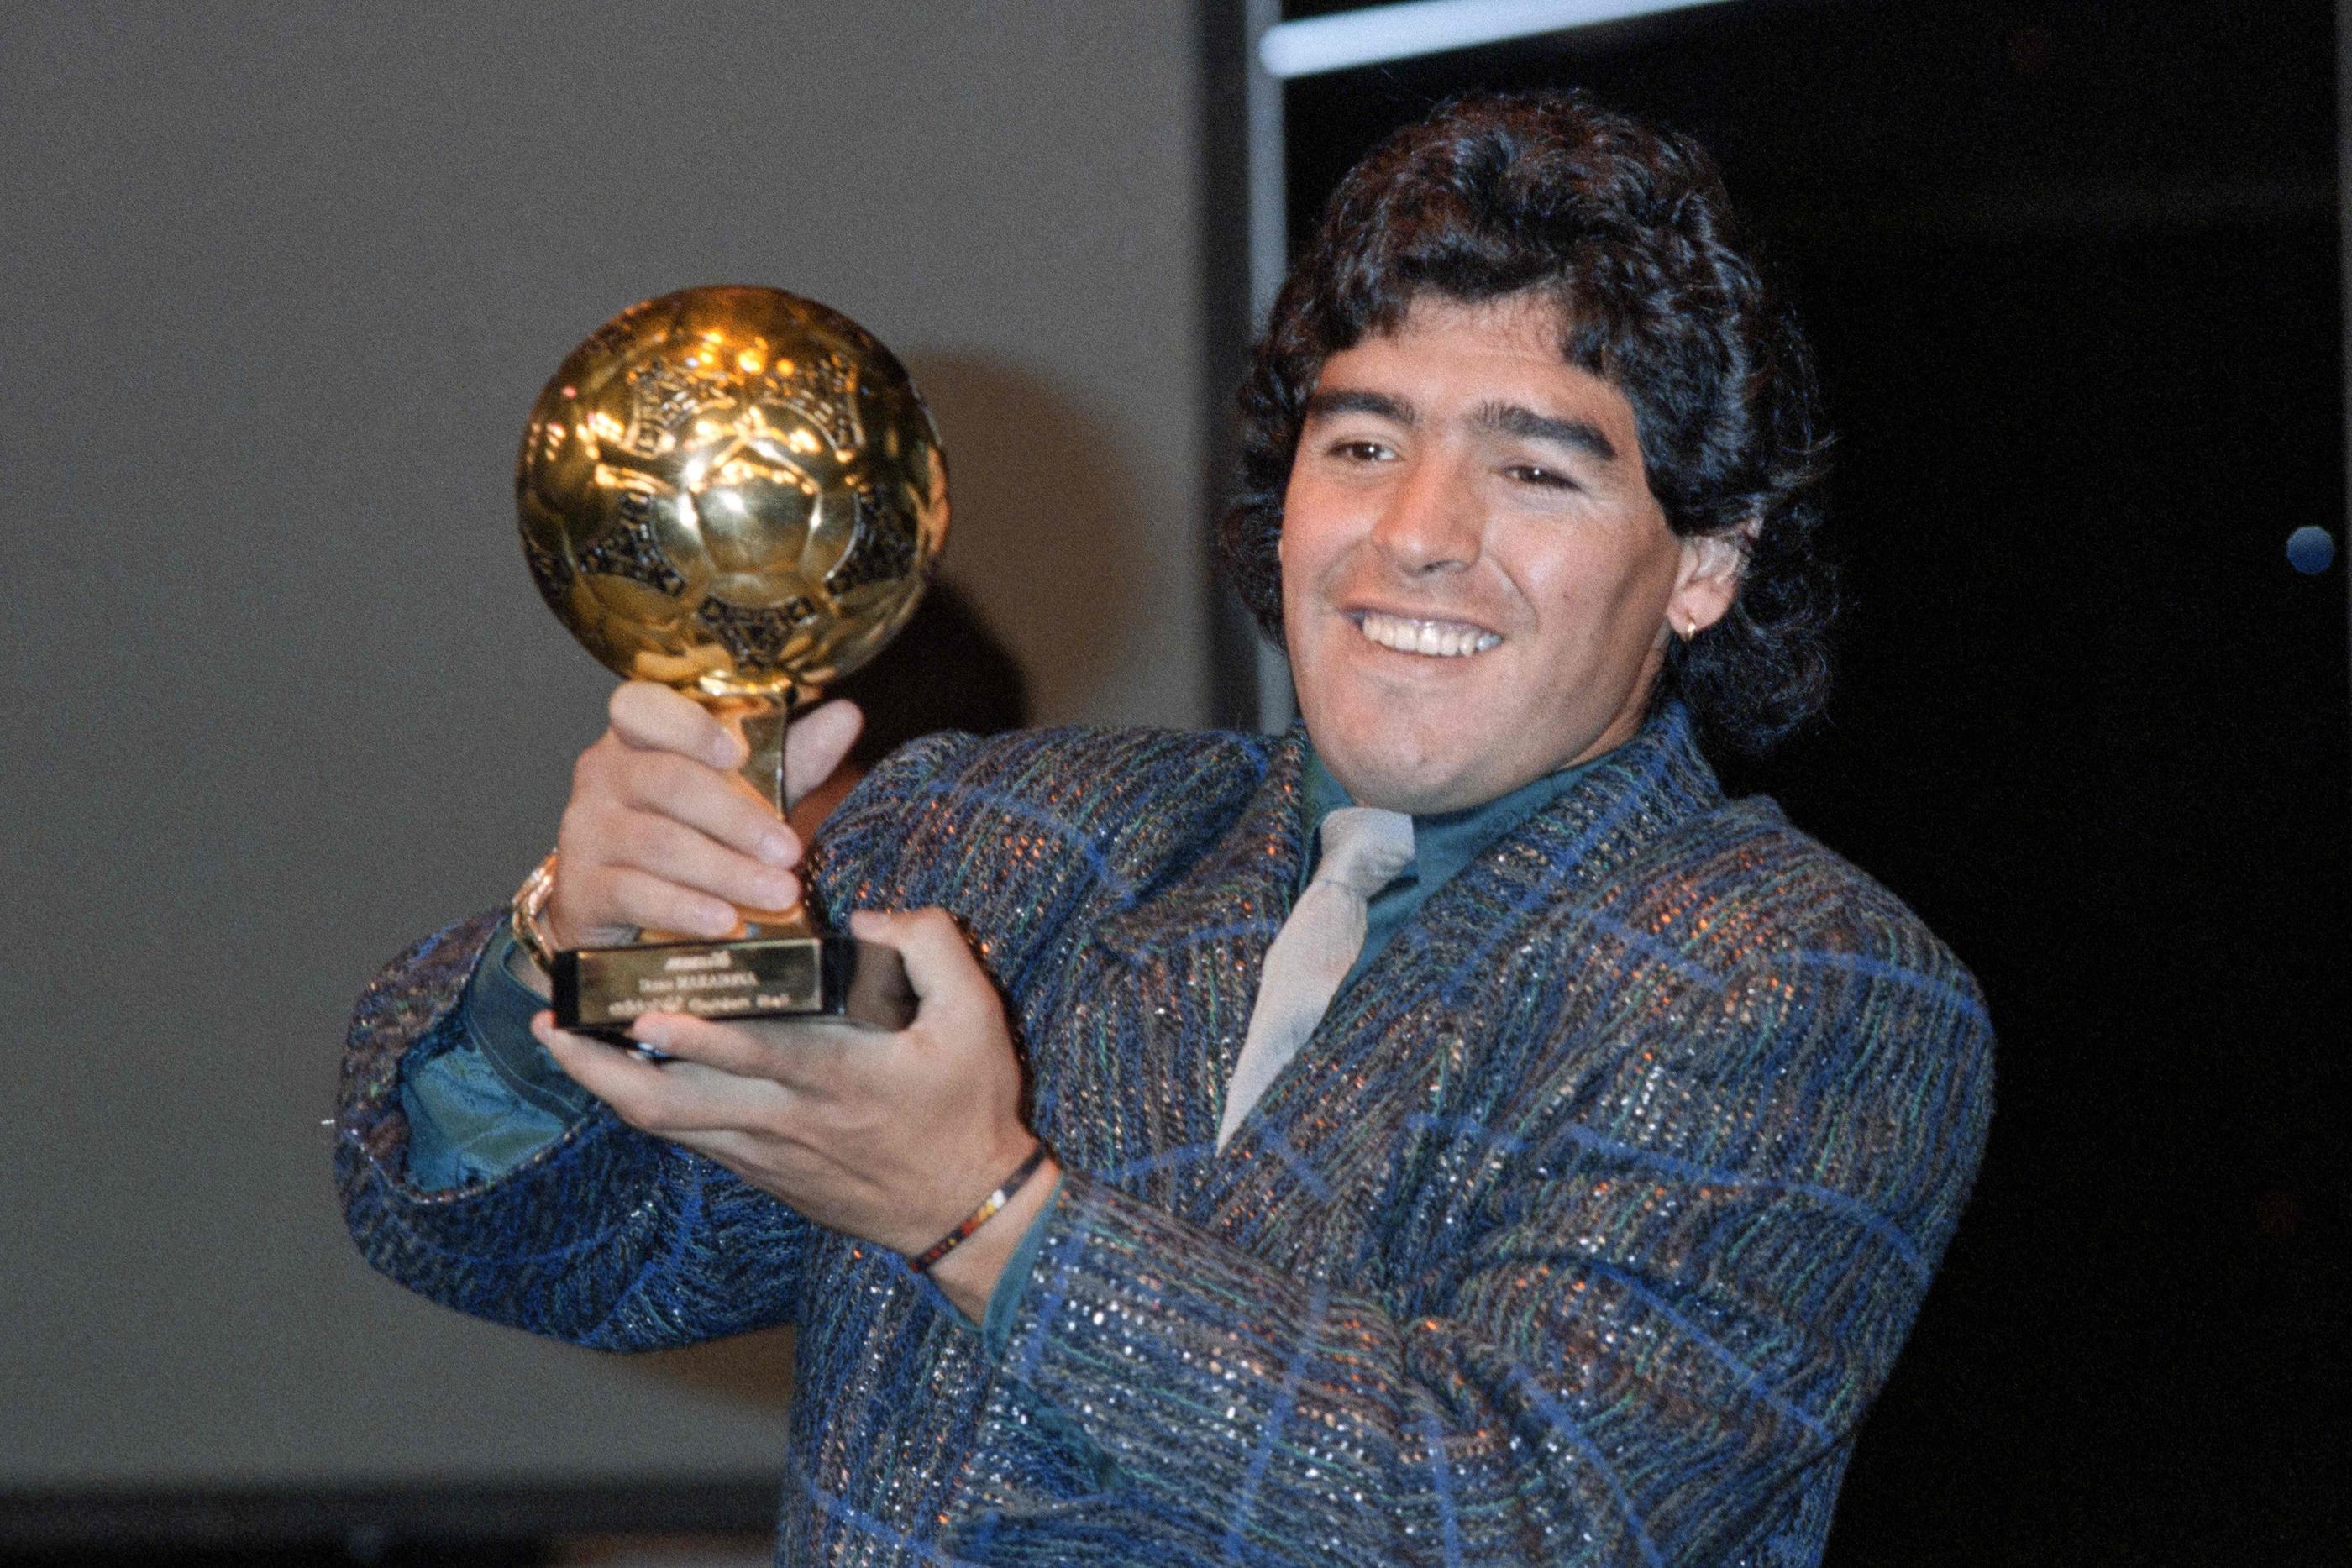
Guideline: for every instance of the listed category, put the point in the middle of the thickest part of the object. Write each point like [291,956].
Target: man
[1553,1180]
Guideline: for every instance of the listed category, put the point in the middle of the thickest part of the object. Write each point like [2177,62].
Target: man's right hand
[661,833]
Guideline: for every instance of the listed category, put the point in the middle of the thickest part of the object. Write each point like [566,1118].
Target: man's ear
[1708,579]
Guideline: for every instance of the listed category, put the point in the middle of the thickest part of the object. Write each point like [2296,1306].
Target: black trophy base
[602,990]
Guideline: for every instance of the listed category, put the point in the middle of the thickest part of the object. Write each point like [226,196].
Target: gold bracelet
[524,910]
[987,1210]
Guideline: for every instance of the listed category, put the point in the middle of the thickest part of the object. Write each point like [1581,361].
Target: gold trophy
[739,494]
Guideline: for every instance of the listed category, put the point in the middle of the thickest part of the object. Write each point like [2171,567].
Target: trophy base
[602,990]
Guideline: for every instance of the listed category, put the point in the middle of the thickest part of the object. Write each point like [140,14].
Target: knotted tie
[1364,847]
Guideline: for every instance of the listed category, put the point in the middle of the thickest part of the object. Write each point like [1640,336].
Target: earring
[1690,628]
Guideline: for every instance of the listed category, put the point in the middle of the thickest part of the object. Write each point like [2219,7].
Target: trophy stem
[763,735]
[763,725]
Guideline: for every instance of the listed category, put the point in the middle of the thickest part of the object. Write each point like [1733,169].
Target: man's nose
[1433,521]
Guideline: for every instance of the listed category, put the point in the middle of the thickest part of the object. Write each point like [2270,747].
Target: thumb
[940,964]
[815,744]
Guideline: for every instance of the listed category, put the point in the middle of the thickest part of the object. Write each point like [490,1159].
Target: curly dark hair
[1629,232]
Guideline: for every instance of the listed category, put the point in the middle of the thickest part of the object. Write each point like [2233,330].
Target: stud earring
[1690,628]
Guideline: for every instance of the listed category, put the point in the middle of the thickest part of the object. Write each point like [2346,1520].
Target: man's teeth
[1445,640]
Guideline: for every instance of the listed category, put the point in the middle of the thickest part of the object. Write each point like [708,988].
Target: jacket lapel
[1393,1040]
[1184,963]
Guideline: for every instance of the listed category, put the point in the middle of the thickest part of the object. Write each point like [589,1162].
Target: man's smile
[1476,578]
[1439,638]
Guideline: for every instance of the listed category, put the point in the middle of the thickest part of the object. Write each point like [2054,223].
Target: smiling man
[1454,1132]
[1479,586]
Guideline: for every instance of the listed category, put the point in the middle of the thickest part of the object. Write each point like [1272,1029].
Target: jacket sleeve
[1636,1354]
[604,1237]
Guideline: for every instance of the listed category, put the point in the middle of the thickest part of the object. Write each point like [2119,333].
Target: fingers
[650,717]
[798,1053]
[654,718]
[817,744]
[618,1077]
[706,1044]
[946,978]
[625,861]
[665,848]
[661,833]
[703,798]
[652,903]
[667,1098]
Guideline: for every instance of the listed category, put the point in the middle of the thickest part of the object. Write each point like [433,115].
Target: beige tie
[1364,847]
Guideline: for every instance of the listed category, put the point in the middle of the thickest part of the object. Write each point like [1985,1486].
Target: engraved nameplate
[601,990]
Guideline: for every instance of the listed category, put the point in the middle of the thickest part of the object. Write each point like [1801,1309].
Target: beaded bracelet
[984,1213]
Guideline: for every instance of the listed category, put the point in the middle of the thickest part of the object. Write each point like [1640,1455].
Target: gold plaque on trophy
[738,493]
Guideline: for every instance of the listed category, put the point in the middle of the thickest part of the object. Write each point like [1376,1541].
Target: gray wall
[278,285]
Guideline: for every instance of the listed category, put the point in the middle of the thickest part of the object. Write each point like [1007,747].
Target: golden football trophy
[738,493]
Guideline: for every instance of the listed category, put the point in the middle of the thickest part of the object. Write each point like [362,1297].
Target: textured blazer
[1583,1230]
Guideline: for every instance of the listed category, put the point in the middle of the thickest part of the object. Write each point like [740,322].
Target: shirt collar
[1444,842]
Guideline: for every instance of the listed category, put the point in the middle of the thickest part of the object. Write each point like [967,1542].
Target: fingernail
[777,888]
[780,849]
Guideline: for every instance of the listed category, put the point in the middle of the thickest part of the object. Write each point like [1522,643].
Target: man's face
[1477,580]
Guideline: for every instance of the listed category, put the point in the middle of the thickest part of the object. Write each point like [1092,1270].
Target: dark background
[2071,269]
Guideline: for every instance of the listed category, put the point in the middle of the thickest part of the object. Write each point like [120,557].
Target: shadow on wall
[1050,538]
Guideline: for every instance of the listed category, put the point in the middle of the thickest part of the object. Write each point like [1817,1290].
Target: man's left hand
[891,1138]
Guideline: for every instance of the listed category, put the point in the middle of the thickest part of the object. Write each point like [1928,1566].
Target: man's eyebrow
[1512,419]
[1348,400]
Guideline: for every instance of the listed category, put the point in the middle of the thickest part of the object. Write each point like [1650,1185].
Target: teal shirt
[492,1097]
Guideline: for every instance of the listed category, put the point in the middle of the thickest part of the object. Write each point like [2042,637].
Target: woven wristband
[986,1211]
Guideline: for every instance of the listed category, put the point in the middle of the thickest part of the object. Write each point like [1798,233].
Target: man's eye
[1535,474]
[1360,451]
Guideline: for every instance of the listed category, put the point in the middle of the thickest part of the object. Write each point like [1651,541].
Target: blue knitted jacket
[1583,1230]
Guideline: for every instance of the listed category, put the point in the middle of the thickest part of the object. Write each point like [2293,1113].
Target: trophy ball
[734,491]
